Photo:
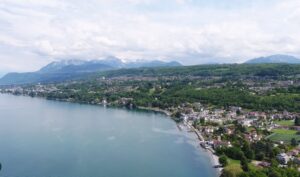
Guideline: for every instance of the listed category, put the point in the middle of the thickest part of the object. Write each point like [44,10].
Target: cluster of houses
[265,85]
[213,119]
[37,89]
[291,156]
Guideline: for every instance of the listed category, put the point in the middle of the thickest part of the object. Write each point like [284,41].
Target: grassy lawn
[249,129]
[284,131]
[151,91]
[283,135]
[235,168]
[285,122]
[233,162]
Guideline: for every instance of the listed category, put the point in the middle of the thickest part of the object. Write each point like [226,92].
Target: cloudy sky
[36,32]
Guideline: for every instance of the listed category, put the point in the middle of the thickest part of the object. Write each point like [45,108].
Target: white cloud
[38,31]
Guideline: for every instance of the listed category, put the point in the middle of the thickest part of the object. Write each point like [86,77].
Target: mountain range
[275,59]
[70,69]
[74,69]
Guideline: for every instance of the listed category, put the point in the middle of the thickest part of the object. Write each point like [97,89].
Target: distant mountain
[37,77]
[155,63]
[275,59]
[70,69]
[75,66]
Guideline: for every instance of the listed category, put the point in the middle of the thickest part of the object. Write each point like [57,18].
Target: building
[283,158]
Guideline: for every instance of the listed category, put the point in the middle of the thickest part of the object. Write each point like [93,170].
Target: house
[296,128]
[252,115]
[283,158]
[293,152]
[255,136]
[208,130]
[264,164]
[235,108]
[228,131]
[262,115]
[219,144]
[245,122]
[248,137]
[297,160]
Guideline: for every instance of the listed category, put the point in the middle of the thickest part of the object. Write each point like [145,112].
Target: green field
[284,131]
[283,135]
[285,122]
[234,166]
[233,162]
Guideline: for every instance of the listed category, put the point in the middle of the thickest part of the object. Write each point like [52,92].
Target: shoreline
[167,113]
[214,159]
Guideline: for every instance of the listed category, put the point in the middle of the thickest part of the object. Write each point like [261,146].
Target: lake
[42,138]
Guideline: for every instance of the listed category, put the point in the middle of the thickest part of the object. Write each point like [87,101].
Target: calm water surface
[40,138]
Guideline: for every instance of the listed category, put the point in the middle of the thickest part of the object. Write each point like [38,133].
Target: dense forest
[259,70]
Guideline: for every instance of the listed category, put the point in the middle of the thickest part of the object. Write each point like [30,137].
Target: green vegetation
[294,142]
[216,85]
[284,131]
[226,70]
[241,154]
[284,135]
[223,160]
[232,170]
[233,162]
[179,92]
[297,121]
[284,122]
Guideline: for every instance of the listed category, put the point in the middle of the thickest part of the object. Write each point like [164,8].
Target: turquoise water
[41,138]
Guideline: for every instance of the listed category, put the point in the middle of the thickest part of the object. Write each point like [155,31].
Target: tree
[260,156]
[223,160]
[202,121]
[244,174]
[253,173]
[276,151]
[274,174]
[297,121]
[274,163]
[233,152]
[244,164]
[227,173]
[294,142]
[247,150]
[240,128]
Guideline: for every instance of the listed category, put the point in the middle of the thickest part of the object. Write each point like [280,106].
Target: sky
[36,32]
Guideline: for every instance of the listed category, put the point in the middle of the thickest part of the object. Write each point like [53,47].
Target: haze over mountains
[71,66]
[69,69]
[275,59]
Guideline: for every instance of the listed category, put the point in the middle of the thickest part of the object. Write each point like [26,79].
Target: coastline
[214,159]
[167,113]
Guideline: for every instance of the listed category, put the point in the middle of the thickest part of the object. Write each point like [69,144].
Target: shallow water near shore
[41,138]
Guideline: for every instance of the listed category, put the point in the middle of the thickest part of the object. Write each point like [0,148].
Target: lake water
[41,138]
